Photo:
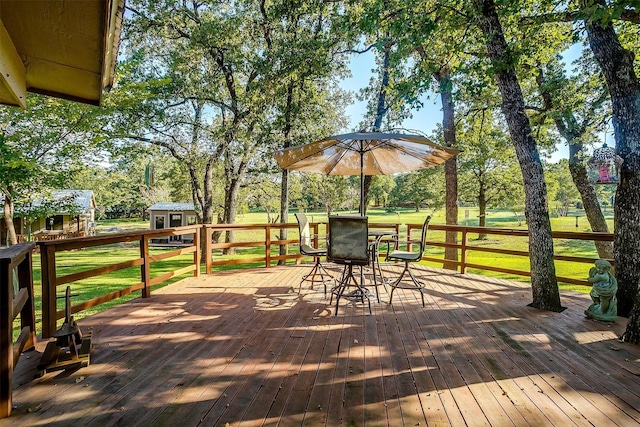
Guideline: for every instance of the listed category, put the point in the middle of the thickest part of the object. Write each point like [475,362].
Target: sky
[426,119]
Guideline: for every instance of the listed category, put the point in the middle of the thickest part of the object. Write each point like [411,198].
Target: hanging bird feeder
[603,166]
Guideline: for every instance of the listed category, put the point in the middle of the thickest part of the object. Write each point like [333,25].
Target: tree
[381,188]
[617,64]
[329,192]
[577,107]
[38,146]
[445,85]
[543,275]
[488,165]
[217,100]
[265,196]
[420,189]
[13,169]
[307,94]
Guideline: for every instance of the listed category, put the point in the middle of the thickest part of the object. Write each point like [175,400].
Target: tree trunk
[284,184]
[589,200]
[632,332]
[367,187]
[381,110]
[482,209]
[284,213]
[624,89]
[8,216]
[230,211]
[203,202]
[571,131]
[543,273]
[443,77]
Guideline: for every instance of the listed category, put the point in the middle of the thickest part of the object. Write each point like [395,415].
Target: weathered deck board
[244,348]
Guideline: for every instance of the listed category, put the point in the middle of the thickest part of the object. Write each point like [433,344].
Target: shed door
[159,222]
[175,220]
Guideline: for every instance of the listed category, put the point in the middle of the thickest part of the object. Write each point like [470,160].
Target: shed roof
[62,48]
[169,206]
[83,199]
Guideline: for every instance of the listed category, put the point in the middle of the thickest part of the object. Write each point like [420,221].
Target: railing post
[397,238]
[15,263]
[145,270]
[316,228]
[409,228]
[463,252]
[28,312]
[316,239]
[6,337]
[49,285]
[196,254]
[208,236]
[267,245]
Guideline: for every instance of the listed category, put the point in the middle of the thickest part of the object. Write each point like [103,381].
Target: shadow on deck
[244,348]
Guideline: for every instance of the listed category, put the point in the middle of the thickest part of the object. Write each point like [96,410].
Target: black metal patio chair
[349,246]
[307,248]
[408,257]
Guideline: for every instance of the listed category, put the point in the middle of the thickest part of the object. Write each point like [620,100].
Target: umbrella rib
[435,151]
[345,147]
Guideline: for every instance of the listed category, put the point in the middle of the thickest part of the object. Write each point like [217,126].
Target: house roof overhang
[62,48]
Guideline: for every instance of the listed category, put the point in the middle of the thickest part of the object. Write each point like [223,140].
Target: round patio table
[379,235]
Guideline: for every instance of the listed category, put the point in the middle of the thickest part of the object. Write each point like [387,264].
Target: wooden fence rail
[50,279]
[16,262]
[267,241]
[465,248]
[16,298]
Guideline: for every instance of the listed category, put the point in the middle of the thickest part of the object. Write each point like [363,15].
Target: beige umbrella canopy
[365,153]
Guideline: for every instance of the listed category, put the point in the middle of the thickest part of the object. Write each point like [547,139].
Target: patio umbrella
[365,153]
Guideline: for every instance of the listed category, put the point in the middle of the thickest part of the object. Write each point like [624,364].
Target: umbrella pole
[361,178]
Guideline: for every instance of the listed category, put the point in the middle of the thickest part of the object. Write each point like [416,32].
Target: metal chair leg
[397,281]
[320,270]
[348,276]
[418,285]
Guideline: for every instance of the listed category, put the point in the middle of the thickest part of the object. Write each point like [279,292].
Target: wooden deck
[242,348]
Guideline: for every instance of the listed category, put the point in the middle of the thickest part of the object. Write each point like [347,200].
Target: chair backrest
[423,237]
[348,240]
[303,228]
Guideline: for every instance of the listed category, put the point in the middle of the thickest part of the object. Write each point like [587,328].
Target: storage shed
[74,217]
[168,215]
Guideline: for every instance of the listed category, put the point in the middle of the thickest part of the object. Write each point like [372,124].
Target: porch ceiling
[62,48]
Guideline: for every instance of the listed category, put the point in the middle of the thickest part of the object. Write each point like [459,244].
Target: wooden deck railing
[16,298]
[268,242]
[51,281]
[465,248]
[413,231]
[17,261]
